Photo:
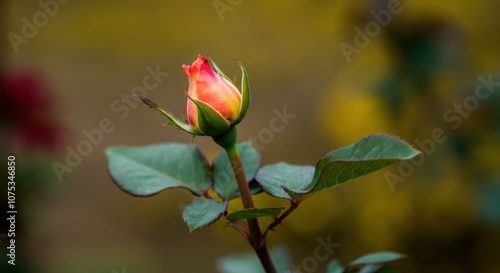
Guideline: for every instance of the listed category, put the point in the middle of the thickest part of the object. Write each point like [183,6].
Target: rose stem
[258,244]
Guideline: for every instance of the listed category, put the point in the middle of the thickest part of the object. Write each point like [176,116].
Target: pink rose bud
[214,102]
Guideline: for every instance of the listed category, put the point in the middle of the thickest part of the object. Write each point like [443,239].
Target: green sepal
[245,94]
[218,70]
[174,120]
[210,122]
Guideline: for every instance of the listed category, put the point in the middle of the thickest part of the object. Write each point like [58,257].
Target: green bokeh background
[445,215]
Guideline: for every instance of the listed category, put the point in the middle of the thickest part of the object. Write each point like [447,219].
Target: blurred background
[346,69]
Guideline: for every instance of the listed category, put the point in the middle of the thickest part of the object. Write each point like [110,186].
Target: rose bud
[214,103]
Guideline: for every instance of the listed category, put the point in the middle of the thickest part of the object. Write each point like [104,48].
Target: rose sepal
[245,94]
[218,70]
[173,119]
[210,122]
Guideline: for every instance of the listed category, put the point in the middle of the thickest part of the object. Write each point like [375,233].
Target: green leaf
[224,181]
[378,257]
[147,170]
[274,178]
[248,262]
[253,213]
[203,212]
[334,267]
[369,154]
[245,94]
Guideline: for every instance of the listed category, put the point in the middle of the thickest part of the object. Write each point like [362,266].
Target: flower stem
[228,142]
